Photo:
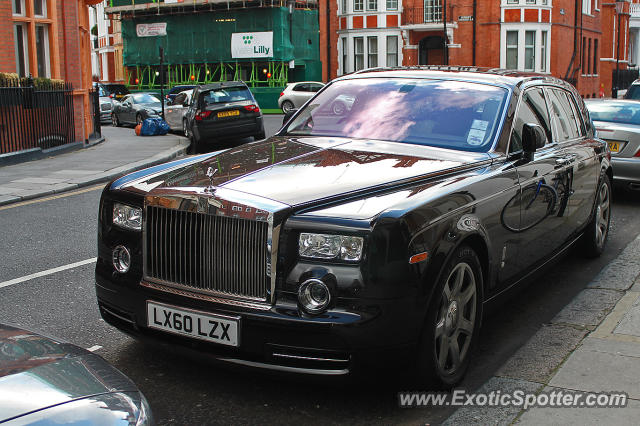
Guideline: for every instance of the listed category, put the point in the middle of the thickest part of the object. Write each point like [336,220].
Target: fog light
[314,296]
[121,259]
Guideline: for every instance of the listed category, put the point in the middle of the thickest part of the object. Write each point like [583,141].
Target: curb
[578,320]
[106,176]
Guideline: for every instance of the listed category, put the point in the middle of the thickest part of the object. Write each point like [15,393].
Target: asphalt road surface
[182,389]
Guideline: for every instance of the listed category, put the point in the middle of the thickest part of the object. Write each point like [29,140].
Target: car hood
[37,372]
[300,171]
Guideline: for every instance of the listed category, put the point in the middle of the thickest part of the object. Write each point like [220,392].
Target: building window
[22,56]
[358,5]
[513,1]
[40,8]
[344,55]
[529,50]
[543,51]
[392,4]
[42,50]
[586,7]
[432,11]
[512,50]
[344,6]
[595,56]
[17,7]
[372,52]
[584,55]
[392,51]
[589,58]
[358,53]
[531,2]
[372,4]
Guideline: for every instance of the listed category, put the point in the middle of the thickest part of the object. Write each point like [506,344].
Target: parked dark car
[372,237]
[173,92]
[135,108]
[115,91]
[618,123]
[174,114]
[222,111]
[44,381]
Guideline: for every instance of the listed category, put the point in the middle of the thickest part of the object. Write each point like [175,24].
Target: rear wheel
[287,106]
[452,322]
[596,234]
[259,136]
[138,119]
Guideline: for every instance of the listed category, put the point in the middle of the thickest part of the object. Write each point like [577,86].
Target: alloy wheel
[456,319]
[603,210]
[287,106]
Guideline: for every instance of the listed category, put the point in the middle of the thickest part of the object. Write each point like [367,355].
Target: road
[55,231]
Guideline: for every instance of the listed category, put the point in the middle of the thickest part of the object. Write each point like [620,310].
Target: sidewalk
[592,345]
[121,152]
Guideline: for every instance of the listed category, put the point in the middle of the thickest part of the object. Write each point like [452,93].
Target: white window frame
[397,48]
[25,47]
[532,48]
[344,4]
[47,52]
[22,7]
[389,5]
[344,55]
[358,5]
[362,54]
[371,54]
[586,7]
[522,28]
[372,5]
[44,9]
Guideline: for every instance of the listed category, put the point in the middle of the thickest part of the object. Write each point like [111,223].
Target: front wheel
[452,322]
[114,120]
[596,234]
[287,106]
[138,119]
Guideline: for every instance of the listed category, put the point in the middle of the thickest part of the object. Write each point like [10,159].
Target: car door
[578,156]
[300,93]
[544,184]
[174,111]
[127,110]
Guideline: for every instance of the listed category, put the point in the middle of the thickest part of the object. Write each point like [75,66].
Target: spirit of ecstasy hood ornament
[210,172]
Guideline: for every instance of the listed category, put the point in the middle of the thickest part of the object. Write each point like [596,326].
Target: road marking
[94,348]
[47,272]
[53,197]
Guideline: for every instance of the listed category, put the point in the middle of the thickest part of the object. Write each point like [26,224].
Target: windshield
[628,113]
[226,94]
[449,114]
[633,92]
[145,98]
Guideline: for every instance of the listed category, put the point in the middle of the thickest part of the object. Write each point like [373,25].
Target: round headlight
[121,259]
[314,296]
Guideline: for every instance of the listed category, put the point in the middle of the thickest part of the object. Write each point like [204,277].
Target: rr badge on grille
[203,205]
[210,172]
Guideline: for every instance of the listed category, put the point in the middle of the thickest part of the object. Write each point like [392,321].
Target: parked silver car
[175,110]
[618,123]
[106,107]
[296,94]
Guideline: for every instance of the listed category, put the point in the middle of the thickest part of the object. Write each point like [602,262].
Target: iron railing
[624,78]
[35,116]
[430,12]
[94,97]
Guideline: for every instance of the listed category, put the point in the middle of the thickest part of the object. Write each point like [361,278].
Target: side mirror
[288,115]
[533,138]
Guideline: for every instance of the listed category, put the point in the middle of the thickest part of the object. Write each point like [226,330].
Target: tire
[596,234]
[197,146]
[259,136]
[139,119]
[115,121]
[287,106]
[452,322]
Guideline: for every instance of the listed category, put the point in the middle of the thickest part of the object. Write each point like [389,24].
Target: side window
[315,87]
[179,100]
[532,109]
[565,126]
[300,88]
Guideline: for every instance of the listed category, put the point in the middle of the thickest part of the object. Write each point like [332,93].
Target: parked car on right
[633,92]
[175,111]
[296,94]
[175,90]
[618,123]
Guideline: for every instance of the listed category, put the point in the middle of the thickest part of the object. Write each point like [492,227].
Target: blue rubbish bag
[154,127]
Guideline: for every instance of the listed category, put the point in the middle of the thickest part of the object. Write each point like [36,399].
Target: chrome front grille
[105,107]
[208,254]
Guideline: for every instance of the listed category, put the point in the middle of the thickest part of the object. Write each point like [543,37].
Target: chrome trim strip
[220,300]
[308,358]
[284,368]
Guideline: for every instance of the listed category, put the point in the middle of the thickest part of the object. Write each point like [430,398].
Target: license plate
[228,113]
[614,146]
[215,328]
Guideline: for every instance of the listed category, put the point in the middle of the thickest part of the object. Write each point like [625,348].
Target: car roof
[499,76]
[610,101]
[221,84]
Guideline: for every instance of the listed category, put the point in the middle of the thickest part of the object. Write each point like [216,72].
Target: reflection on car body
[321,240]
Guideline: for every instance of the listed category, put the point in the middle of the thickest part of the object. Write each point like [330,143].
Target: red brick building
[571,39]
[50,38]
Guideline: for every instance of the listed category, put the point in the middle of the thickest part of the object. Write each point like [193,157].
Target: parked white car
[296,94]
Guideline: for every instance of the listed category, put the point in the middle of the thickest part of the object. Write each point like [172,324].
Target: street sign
[465,18]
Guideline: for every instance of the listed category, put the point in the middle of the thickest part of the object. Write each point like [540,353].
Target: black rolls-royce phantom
[358,235]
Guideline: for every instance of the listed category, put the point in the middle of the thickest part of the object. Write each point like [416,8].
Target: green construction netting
[205,37]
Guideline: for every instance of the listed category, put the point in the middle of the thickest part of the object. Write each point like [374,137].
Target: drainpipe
[328,12]
[575,40]
[444,22]
[473,49]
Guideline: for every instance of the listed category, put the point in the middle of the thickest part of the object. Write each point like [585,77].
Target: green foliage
[39,83]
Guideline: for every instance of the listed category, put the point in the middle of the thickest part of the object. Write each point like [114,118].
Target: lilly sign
[252,45]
